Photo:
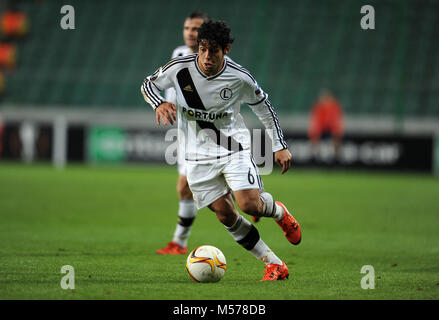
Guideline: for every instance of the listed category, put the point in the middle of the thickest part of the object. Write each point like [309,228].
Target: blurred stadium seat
[14,23]
[8,55]
[294,48]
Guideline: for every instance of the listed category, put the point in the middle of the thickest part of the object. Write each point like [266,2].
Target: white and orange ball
[206,264]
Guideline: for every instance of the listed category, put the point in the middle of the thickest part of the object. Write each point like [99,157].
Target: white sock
[247,235]
[181,234]
[240,228]
[186,216]
[271,209]
[263,253]
[279,212]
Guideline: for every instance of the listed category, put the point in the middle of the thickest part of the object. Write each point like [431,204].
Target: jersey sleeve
[258,101]
[170,94]
[153,85]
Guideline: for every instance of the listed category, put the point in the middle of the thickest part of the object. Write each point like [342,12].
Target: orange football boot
[172,248]
[276,272]
[290,226]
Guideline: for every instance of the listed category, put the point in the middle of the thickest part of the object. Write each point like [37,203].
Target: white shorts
[208,182]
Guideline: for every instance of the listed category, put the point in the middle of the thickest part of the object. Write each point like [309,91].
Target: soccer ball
[206,264]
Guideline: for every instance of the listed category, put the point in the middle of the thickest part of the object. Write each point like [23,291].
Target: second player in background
[186,208]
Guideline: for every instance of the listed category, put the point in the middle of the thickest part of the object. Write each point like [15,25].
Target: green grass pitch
[107,222]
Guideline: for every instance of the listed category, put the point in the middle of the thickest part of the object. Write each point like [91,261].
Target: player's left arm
[258,101]
[283,159]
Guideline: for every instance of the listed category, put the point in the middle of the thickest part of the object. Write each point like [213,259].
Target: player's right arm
[166,112]
[151,88]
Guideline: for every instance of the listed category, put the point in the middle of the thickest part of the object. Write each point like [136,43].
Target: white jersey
[212,103]
[180,51]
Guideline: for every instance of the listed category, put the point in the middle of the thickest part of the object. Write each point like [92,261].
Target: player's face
[190,32]
[211,57]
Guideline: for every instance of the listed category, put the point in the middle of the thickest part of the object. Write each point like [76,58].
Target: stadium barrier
[61,142]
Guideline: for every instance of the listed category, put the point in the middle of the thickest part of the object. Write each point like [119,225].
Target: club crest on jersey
[226,94]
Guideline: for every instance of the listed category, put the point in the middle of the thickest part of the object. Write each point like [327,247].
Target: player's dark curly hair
[216,33]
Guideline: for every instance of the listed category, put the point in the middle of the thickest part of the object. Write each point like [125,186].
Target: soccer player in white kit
[186,207]
[209,91]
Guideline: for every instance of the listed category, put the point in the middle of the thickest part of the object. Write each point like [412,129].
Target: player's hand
[166,112]
[283,159]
